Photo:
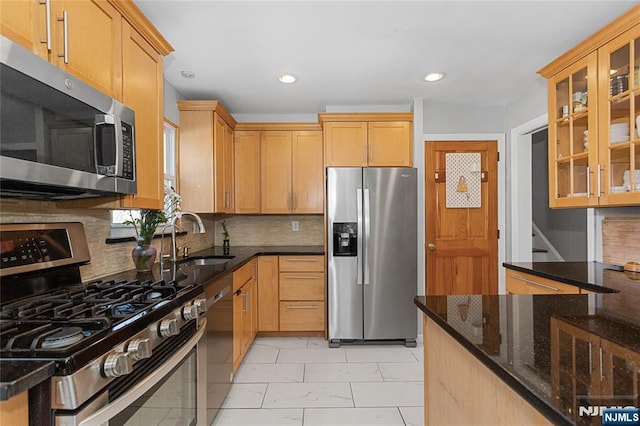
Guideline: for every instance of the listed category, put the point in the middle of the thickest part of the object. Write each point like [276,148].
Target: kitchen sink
[208,261]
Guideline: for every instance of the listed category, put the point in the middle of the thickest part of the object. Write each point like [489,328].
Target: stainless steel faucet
[172,224]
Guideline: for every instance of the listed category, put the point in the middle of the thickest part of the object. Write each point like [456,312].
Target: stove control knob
[139,349]
[117,364]
[190,312]
[168,328]
[201,304]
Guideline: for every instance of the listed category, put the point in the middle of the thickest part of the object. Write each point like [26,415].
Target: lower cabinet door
[302,316]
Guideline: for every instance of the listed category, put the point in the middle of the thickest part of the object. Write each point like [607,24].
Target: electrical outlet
[295,226]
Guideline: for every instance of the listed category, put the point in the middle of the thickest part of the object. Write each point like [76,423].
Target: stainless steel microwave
[59,137]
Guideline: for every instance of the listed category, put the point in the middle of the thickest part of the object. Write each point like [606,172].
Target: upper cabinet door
[25,22]
[87,42]
[390,144]
[229,206]
[573,138]
[142,91]
[246,149]
[308,172]
[619,137]
[345,144]
[275,169]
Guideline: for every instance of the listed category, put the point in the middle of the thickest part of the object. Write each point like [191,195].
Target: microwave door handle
[116,168]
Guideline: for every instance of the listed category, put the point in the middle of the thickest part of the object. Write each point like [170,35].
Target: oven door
[174,392]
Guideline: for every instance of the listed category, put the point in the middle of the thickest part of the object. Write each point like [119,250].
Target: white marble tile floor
[299,381]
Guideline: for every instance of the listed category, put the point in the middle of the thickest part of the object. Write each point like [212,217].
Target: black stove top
[65,320]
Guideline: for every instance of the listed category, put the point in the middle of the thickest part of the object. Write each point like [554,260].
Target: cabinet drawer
[302,286]
[301,263]
[244,274]
[521,283]
[301,316]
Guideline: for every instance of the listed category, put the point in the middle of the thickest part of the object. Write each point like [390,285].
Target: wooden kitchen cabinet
[245,310]
[268,298]
[594,105]
[292,175]
[522,283]
[246,151]
[142,89]
[302,293]
[85,37]
[206,157]
[15,411]
[367,139]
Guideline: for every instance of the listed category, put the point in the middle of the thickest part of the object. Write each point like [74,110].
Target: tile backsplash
[110,258]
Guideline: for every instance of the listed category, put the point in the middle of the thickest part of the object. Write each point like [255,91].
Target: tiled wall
[110,258]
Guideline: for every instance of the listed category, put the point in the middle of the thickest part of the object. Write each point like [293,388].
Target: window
[118,228]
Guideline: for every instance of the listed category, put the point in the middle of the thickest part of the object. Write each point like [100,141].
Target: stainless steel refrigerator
[372,259]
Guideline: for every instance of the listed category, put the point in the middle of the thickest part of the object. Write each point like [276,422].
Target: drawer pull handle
[534,283]
[293,277]
[301,260]
[301,306]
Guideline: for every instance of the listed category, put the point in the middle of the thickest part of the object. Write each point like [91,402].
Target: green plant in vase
[144,254]
[225,241]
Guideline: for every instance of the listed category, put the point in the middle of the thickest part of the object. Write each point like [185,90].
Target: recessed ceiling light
[187,74]
[287,78]
[434,76]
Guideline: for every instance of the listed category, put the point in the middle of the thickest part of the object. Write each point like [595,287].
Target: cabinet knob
[431,246]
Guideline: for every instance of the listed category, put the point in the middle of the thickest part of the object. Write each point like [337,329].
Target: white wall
[171,97]
[451,118]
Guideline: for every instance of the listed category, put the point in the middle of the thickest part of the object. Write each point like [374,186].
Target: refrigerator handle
[360,236]
[367,229]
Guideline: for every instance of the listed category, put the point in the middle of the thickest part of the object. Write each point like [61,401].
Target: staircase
[543,250]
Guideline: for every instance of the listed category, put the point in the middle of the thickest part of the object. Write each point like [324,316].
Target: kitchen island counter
[533,345]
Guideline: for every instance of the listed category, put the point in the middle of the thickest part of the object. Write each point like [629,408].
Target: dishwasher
[219,339]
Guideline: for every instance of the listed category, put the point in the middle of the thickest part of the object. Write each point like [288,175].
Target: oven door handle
[104,414]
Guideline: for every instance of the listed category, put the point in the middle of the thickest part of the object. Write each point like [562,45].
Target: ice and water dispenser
[345,239]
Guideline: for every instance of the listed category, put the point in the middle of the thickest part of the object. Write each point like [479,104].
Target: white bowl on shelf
[619,138]
[618,189]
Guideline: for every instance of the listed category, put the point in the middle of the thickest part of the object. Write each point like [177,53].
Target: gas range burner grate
[19,337]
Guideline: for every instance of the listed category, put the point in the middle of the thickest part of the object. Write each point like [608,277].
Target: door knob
[431,246]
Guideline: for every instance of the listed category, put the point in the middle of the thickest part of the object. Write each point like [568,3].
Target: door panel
[390,253]
[462,243]
[308,172]
[344,292]
[275,150]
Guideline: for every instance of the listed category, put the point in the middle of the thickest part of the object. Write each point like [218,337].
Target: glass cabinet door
[572,150]
[620,375]
[619,135]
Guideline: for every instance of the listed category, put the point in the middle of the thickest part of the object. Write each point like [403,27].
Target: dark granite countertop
[512,336]
[593,276]
[18,376]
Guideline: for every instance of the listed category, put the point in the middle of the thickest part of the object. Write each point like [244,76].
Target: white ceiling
[355,53]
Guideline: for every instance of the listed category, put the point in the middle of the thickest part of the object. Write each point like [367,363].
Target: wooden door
[462,243]
[143,92]
[24,22]
[94,44]
[275,169]
[345,144]
[268,297]
[307,172]
[390,144]
[247,171]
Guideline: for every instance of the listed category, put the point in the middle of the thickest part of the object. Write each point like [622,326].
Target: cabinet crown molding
[141,23]
[279,126]
[365,116]
[621,24]
[213,106]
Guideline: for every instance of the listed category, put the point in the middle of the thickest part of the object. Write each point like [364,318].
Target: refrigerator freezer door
[344,291]
[391,250]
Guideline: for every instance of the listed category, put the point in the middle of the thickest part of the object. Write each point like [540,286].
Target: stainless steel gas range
[127,349]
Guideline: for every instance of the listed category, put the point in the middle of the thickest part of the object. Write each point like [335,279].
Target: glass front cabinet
[594,119]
